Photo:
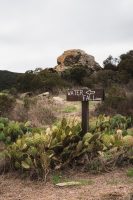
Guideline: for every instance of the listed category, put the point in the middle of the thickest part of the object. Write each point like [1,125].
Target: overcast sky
[33,33]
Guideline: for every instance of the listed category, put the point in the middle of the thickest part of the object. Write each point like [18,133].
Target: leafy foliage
[6,103]
[110,63]
[111,124]
[42,80]
[130,172]
[8,79]
[126,63]
[117,101]
[10,130]
[38,152]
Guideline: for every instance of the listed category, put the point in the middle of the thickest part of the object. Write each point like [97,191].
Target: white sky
[33,33]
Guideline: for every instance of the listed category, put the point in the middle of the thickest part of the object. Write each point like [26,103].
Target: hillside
[8,79]
[74,68]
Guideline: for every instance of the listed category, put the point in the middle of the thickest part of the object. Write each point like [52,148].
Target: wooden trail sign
[85,95]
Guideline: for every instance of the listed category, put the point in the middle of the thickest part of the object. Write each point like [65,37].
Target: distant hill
[8,79]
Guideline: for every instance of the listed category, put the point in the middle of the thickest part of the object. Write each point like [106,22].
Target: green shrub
[111,124]
[70,109]
[116,102]
[6,103]
[10,130]
[130,172]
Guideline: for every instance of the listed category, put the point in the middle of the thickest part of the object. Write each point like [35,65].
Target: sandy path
[112,186]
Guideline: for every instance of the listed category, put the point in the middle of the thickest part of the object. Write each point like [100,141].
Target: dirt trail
[110,186]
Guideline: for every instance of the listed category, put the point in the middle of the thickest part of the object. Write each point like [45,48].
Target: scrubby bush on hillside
[41,80]
[105,78]
[7,103]
[54,83]
[116,101]
[76,74]
[111,63]
[8,79]
[39,111]
[126,63]
[43,112]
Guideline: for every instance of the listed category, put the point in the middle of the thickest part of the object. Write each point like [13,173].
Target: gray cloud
[35,32]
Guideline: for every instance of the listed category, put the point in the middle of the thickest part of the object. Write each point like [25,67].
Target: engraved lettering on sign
[89,94]
[70,93]
[85,95]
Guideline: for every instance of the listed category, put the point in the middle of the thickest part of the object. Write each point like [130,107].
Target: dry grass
[45,111]
[39,112]
[42,113]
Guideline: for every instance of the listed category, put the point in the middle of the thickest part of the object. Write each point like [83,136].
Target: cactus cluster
[38,152]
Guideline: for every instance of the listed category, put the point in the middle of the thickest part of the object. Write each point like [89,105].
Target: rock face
[43,95]
[74,57]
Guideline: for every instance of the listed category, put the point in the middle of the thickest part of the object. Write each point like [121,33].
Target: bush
[42,113]
[126,63]
[116,102]
[54,83]
[76,74]
[105,78]
[39,112]
[7,103]
[130,172]
[10,131]
[111,124]
[41,80]
[88,82]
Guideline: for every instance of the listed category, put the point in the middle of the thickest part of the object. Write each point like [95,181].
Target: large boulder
[74,57]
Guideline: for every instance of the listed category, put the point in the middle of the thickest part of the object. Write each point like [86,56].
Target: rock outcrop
[58,100]
[74,57]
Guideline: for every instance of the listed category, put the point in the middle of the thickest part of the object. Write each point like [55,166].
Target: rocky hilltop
[74,57]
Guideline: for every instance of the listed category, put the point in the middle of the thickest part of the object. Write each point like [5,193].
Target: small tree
[110,63]
[126,63]
[77,74]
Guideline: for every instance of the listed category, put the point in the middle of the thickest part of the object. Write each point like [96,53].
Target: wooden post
[85,117]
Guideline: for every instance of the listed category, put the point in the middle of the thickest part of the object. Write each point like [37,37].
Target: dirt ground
[109,186]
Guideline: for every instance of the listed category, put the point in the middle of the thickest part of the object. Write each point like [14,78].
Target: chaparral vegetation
[40,132]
